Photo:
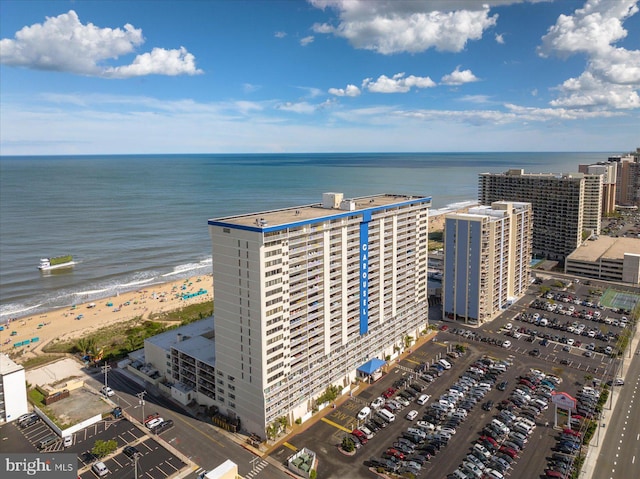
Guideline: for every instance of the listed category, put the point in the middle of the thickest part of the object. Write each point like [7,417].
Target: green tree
[408,340]
[272,430]
[104,448]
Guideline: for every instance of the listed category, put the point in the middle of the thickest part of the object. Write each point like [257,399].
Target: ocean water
[132,221]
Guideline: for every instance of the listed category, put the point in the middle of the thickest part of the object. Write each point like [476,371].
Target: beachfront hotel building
[487,260]
[558,203]
[304,296]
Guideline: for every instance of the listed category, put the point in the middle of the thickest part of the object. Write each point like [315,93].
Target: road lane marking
[290,446]
[334,424]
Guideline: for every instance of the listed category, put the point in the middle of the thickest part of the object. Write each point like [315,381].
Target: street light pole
[140,396]
[135,465]
[105,369]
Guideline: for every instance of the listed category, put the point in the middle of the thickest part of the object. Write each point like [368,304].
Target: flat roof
[198,347]
[227,469]
[7,366]
[170,338]
[299,215]
[606,247]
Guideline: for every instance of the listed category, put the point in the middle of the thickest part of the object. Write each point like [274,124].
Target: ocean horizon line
[364,152]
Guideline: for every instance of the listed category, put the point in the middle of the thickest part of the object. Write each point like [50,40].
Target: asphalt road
[201,442]
[619,456]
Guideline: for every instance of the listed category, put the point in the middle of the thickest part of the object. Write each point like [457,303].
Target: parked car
[107,391]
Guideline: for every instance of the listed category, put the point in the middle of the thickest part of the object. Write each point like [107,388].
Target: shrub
[347,444]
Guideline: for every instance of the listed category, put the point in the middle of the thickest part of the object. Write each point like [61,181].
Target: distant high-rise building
[306,296]
[487,260]
[608,172]
[592,212]
[628,179]
[558,203]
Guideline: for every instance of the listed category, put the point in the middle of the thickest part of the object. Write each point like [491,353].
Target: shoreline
[72,322]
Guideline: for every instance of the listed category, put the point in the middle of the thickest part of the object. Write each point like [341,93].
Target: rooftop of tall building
[333,206]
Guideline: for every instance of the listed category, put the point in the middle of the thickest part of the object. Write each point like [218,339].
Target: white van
[444,363]
[386,415]
[422,400]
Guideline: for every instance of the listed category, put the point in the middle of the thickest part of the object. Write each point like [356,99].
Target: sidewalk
[594,450]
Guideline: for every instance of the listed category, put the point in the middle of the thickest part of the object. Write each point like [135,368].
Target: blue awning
[371,366]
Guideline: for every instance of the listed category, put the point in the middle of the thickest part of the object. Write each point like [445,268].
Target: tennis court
[619,299]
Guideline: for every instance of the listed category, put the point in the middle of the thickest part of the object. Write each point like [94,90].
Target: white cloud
[389,27]
[280,34]
[306,40]
[396,84]
[479,99]
[500,38]
[297,107]
[350,90]
[158,62]
[458,77]
[64,44]
[612,75]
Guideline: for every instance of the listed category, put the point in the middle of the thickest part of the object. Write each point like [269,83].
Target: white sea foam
[91,292]
[17,309]
[136,283]
[185,268]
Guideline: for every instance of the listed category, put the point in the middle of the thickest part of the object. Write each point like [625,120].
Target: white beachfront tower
[306,295]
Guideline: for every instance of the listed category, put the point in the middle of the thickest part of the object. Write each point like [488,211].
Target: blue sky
[112,77]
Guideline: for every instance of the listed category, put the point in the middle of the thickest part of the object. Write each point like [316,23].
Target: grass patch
[36,398]
[118,340]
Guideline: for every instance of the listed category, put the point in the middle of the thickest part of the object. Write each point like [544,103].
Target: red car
[512,453]
[395,453]
[553,474]
[360,435]
[571,432]
[444,327]
[388,393]
[490,440]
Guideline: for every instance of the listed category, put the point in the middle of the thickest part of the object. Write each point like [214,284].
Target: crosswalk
[257,468]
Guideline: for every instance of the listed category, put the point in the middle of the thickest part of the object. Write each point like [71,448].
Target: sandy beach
[74,321]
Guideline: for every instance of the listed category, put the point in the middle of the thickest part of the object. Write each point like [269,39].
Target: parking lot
[154,461]
[554,355]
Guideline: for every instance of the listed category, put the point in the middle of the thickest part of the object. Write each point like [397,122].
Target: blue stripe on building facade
[364,274]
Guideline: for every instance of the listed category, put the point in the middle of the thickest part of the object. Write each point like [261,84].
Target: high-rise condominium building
[558,203]
[608,171]
[306,295]
[487,260]
[628,179]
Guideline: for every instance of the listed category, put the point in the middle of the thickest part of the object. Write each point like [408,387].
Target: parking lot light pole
[140,396]
[135,465]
